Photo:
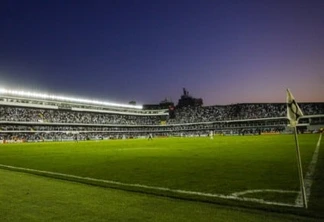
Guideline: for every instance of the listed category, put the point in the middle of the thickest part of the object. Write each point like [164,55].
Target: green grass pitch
[223,166]
[28,197]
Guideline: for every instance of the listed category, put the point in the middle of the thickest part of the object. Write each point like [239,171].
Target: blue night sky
[222,51]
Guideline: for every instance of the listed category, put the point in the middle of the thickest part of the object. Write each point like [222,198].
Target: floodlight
[63,98]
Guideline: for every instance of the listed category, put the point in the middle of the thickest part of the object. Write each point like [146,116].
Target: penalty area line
[144,187]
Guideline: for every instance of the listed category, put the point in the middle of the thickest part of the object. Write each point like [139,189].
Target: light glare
[63,98]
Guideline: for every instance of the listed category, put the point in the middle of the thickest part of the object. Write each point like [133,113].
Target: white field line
[261,191]
[139,148]
[308,181]
[153,188]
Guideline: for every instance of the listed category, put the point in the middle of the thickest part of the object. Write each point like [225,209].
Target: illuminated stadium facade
[28,116]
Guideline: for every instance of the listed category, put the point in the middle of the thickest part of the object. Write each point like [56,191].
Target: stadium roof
[27,94]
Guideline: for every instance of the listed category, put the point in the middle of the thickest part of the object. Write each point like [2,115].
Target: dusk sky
[222,51]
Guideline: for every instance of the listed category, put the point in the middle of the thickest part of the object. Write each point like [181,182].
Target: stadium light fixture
[63,98]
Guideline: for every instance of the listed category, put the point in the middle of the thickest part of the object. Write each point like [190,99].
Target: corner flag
[293,110]
[293,114]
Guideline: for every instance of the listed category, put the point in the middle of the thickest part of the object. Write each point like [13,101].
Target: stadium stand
[36,119]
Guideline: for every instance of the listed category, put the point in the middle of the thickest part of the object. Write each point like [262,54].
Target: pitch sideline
[309,175]
[146,187]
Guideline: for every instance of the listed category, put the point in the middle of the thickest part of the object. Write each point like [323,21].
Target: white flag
[293,110]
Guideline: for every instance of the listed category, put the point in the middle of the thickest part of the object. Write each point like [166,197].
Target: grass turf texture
[33,198]
[221,166]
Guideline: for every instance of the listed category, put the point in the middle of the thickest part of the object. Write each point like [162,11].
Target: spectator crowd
[240,111]
[33,123]
[183,115]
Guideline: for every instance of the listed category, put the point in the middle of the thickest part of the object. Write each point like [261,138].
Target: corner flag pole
[300,169]
[293,114]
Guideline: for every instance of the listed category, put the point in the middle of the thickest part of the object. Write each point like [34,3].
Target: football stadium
[225,157]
